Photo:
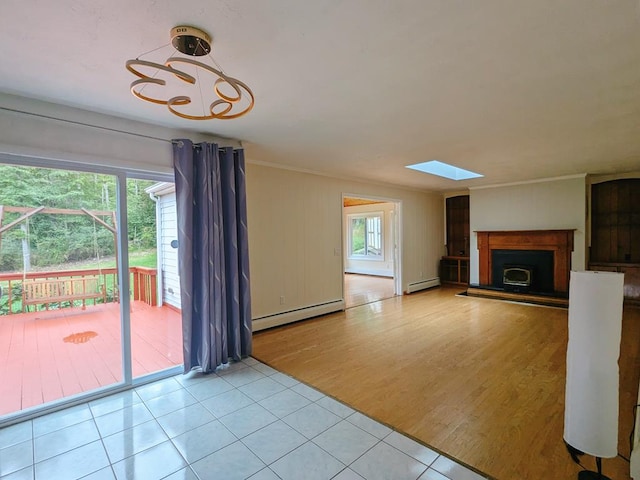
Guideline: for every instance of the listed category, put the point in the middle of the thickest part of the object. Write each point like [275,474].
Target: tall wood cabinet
[454,267]
[615,231]
[615,221]
[457,211]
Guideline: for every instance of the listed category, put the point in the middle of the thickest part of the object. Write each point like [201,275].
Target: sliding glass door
[81,301]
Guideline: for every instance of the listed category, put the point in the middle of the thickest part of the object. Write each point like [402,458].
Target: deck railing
[143,286]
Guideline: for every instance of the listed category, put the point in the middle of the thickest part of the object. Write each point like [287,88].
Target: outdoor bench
[45,292]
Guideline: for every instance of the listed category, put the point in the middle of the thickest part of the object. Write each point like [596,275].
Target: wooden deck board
[39,366]
[481,380]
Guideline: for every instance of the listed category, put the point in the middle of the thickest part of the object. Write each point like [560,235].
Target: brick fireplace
[558,243]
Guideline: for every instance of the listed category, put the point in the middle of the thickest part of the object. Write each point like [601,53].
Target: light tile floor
[245,421]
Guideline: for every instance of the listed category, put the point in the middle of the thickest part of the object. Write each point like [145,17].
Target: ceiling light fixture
[221,96]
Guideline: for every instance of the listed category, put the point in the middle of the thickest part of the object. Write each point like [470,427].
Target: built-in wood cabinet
[631,277]
[454,270]
[454,267]
[615,221]
[615,231]
[457,213]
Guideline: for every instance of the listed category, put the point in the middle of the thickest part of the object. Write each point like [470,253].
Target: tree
[57,239]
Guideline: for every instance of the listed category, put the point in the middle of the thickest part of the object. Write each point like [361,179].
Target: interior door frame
[396,234]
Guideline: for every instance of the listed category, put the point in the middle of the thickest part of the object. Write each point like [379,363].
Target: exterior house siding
[169,255]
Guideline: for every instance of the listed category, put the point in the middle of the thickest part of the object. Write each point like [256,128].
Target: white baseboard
[298,314]
[423,284]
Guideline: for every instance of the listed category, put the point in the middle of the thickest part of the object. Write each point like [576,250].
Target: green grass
[142,258]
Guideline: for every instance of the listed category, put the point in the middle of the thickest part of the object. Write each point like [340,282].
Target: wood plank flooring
[478,379]
[361,289]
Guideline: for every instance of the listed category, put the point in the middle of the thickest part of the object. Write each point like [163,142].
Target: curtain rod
[198,145]
[73,122]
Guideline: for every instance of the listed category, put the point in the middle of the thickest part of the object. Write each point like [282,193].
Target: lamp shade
[595,326]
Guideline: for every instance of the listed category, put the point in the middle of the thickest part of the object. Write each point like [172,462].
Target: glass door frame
[121,175]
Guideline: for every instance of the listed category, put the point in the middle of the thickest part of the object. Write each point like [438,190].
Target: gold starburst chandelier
[181,79]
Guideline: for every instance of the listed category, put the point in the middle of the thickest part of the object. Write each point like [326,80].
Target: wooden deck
[478,379]
[48,355]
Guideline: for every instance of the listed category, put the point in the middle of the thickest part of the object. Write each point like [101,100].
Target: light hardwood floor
[480,380]
[361,289]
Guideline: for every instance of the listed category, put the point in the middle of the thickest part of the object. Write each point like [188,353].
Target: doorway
[371,263]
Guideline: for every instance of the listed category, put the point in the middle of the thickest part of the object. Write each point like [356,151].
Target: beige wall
[295,219]
[553,204]
[295,236]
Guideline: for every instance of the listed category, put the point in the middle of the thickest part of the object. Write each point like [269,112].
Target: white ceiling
[517,90]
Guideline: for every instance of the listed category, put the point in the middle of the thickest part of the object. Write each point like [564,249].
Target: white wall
[548,205]
[169,255]
[295,236]
[384,265]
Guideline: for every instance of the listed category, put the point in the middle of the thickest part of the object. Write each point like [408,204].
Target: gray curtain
[213,254]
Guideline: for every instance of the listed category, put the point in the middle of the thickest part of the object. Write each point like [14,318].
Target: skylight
[445,170]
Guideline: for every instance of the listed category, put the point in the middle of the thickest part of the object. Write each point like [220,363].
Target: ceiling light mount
[191,41]
[179,79]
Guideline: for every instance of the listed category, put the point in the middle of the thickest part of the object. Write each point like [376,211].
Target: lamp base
[588,475]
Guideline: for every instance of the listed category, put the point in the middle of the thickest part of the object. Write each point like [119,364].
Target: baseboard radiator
[291,316]
[423,284]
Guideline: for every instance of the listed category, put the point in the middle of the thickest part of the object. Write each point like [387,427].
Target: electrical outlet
[282,300]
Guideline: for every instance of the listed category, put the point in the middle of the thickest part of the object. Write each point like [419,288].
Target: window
[365,236]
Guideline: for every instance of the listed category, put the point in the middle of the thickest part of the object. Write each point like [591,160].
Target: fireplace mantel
[560,242]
